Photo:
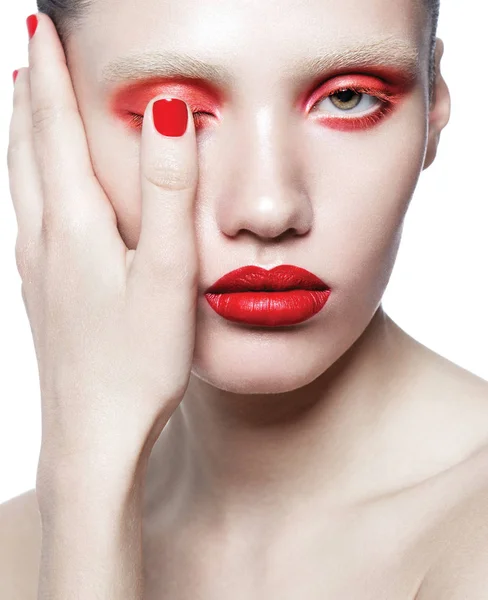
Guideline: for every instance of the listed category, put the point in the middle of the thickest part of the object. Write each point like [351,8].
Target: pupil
[346,95]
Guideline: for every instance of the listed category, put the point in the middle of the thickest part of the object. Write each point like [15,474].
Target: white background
[439,288]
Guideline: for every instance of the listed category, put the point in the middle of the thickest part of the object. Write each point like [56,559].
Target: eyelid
[370,84]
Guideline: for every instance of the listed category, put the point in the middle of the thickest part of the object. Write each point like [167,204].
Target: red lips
[286,295]
[251,278]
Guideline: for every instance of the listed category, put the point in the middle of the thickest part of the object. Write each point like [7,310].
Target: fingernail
[31,25]
[14,74]
[170,116]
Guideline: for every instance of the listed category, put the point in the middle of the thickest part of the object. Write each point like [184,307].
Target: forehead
[219,39]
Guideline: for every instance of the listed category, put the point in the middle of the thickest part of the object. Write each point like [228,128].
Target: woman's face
[292,169]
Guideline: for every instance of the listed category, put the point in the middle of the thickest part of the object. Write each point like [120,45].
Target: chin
[245,381]
[247,361]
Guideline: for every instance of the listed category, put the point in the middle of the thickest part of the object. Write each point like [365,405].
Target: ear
[440,107]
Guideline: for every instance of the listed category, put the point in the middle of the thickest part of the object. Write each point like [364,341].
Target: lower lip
[269,309]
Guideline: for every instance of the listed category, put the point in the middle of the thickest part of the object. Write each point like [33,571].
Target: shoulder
[455,411]
[460,569]
[449,408]
[20,543]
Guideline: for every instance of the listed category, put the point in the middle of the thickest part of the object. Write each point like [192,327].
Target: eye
[356,105]
[350,101]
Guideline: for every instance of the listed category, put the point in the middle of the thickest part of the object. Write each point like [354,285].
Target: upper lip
[252,278]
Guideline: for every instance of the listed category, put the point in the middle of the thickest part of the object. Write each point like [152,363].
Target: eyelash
[386,98]
[136,120]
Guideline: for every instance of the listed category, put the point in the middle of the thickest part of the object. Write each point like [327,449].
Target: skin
[292,451]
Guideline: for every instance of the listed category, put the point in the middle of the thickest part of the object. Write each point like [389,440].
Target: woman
[228,412]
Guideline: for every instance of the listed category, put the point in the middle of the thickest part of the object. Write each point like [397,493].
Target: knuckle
[169,175]
[45,118]
[23,257]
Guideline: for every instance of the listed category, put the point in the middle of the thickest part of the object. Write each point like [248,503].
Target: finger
[25,185]
[72,192]
[166,252]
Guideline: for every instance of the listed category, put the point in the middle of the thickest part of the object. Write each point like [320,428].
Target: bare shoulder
[20,543]
[455,413]
[460,568]
[450,409]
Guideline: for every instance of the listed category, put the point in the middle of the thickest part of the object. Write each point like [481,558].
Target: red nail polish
[170,117]
[14,74]
[31,25]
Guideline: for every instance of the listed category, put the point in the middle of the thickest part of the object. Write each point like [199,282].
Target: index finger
[70,185]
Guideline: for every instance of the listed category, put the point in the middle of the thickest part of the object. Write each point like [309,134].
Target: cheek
[115,158]
[365,184]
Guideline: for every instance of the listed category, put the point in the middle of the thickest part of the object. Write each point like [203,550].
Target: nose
[264,192]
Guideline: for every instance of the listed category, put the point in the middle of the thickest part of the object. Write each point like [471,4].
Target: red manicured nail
[14,74]
[170,116]
[31,25]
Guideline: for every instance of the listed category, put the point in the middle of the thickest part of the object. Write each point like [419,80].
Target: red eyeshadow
[396,81]
[129,100]
[133,98]
[389,93]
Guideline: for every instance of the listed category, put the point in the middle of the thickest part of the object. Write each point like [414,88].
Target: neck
[233,454]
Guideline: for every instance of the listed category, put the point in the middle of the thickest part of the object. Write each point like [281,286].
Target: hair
[433,7]
[68,15]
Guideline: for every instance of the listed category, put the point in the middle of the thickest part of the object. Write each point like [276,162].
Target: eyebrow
[389,51]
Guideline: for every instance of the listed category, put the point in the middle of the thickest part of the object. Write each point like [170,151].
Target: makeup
[386,96]
[388,85]
[128,101]
[285,295]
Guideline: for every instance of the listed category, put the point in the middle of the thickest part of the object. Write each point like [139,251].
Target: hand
[113,328]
